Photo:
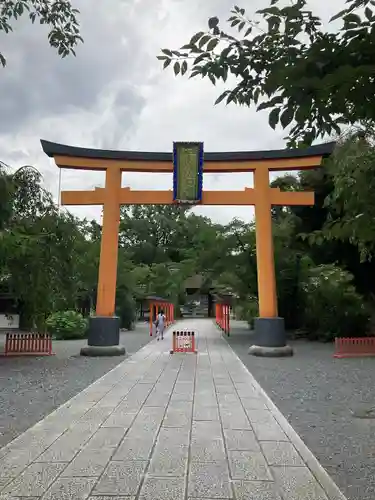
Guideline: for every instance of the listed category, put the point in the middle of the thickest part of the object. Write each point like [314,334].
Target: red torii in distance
[156,304]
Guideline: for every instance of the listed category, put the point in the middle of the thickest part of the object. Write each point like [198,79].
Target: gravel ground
[318,395]
[31,388]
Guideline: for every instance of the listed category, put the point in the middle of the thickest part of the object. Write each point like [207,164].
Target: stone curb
[329,486]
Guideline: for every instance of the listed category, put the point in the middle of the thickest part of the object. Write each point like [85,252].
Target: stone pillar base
[270,338]
[104,337]
[271,352]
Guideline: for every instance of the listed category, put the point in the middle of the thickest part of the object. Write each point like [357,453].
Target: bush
[66,325]
[126,310]
[248,310]
[331,306]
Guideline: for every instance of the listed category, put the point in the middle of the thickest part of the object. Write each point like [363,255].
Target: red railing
[155,308]
[28,343]
[183,341]
[354,347]
[223,317]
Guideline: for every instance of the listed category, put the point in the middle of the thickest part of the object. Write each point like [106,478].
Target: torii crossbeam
[269,328]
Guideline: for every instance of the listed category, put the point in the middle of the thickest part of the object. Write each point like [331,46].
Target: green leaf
[176,68]
[167,62]
[273,118]
[212,44]
[213,22]
[167,52]
[184,68]
[194,39]
[352,18]
[200,58]
[221,97]
[287,116]
[338,15]
[368,13]
[204,40]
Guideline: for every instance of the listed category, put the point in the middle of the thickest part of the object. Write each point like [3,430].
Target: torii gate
[104,327]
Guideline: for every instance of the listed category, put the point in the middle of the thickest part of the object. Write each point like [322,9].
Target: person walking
[160,325]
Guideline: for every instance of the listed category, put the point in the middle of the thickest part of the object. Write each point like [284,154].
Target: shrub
[331,306]
[249,310]
[65,325]
[126,310]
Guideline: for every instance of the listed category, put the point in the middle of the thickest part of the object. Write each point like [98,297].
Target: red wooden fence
[223,317]
[183,341]
[354,347]
[28,344]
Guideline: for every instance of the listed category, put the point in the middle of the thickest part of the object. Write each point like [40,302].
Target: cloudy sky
[114,94]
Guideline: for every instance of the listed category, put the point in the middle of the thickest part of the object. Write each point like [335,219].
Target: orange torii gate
[104,327]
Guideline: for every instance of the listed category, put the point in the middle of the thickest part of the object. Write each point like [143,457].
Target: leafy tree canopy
[59,15]
[286,62]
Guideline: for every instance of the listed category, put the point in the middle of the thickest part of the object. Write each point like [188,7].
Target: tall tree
[288,63]
[59,15]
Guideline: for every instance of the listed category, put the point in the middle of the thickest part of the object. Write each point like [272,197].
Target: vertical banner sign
[187,172]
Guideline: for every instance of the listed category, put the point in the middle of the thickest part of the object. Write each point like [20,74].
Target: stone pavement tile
[36,438]
[119,419]
[209,480]
[67,446]
[96,415]
[177,418]
[157,399]
[249,465]
[35,480]
[70,488]
[209,413]
[150,414]
[4,481]
[205,400]
[240,440]
[184,387]
[169,461]
[225,389]
[245,390]
[173,436]
[256,490]
[260,416]
[228,399]
[206,450]
[14,462]
[234,419]
[110,498]
[269,431]
[181,397]
[172,488]
[107,437]
[186,406]
[281,453]
[121,478]
[88,463]
[206,430]
[297,483]
[254,403]
[138,448]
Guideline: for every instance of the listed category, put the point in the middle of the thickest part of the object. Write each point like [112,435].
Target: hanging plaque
[187,172]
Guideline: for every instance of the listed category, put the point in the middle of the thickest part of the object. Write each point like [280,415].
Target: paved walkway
[162,427]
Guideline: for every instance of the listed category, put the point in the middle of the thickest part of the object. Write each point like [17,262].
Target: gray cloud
[37,83]
[114,94]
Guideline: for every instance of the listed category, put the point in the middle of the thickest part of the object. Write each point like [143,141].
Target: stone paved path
[162,427]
